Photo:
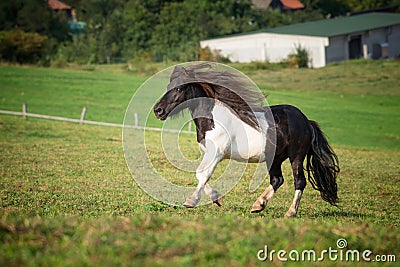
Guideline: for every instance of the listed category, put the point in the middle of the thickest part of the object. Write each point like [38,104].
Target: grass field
[68,198]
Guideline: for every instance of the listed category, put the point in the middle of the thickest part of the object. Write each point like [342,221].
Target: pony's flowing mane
[230,87]
[236,103]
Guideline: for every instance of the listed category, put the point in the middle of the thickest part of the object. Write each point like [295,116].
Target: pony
[232,123]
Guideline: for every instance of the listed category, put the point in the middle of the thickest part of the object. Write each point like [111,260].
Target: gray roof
[340,26]
[335,26]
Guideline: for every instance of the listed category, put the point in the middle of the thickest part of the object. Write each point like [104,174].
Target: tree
[104,32]
[182,25]
[175,36]
[361,5]
[9,14]
[140,18]
[33,28]
[22,47]
[34,16]
[341,7]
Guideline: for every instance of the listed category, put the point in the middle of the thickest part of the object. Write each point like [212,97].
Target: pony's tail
[322,166]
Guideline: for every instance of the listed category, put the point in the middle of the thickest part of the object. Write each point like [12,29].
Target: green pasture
[68,198]
[64,92]
[356,103]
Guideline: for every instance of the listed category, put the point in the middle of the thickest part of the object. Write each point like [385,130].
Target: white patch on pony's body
[236,139]
[230,138]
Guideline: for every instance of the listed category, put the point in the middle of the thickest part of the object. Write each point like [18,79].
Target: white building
[371,35]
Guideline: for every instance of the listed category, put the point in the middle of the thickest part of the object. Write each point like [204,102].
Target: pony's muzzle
[160,112]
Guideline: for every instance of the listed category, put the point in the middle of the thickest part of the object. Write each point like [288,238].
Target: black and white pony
[230,123]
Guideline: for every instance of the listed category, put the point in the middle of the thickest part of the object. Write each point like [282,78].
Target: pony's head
[184,86]
[177,99]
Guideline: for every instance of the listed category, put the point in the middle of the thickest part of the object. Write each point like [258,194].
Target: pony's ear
[208,89]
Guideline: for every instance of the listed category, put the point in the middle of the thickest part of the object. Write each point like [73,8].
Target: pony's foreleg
[203,174]
[215,196]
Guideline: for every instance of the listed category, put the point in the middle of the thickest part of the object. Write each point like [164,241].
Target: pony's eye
[179,89]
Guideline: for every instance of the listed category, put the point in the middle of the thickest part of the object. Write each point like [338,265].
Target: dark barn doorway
[355,47]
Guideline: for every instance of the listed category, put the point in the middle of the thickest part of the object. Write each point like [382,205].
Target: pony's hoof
[216,198]
[257,208]
[189,203]
[218,201]
[290,214]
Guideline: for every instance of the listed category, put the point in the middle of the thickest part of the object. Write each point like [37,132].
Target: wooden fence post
[24,110]
[82,119]
[136,120]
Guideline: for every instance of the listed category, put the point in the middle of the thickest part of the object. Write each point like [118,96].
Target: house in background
[371,35]
[75,26]
[58,5]
[283,5]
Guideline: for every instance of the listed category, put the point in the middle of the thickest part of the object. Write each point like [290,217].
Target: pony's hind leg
[299,185]
[276,180]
